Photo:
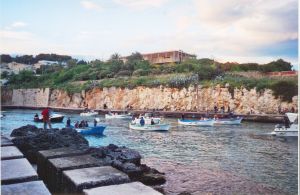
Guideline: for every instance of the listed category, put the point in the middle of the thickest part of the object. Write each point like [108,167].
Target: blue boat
[98,130]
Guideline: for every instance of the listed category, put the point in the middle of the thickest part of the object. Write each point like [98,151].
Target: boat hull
[53,119]
[117,116]
[209,122]
[88,114]
[232,121]
[98,130]
[282,131]
[157,127]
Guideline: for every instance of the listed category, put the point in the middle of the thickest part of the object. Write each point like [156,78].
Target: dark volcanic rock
[129,161]
[28,130]
[29,139]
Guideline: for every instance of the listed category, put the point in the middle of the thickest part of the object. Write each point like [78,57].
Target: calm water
[218,160]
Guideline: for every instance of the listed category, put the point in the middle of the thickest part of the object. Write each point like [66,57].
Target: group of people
[82,124]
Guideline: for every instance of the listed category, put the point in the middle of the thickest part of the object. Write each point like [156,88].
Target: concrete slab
[10,152]
[57,165]
[44,155]
[16,171]
[26,188]
[79,179]
[135,188]
[6,142]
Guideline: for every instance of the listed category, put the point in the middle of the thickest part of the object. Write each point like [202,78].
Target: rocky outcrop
[29,139]
[128,161]
[193,98]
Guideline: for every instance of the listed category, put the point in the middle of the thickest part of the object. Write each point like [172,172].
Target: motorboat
[118,116]
[147,120]
[54,118]
[290,128]
[228,121]
[89,113]
[155,127]
[98,130]
[205,122]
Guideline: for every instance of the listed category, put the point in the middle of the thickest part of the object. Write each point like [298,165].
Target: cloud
[141,4]
[16,25]
[90,5]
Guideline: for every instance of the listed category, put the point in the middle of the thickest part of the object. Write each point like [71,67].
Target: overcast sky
[226,30]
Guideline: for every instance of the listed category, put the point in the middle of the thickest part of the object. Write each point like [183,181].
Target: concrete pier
[10,152]
[17,174]
[6,142]
[44,155]
[135,188]
[58,165]
[79,179]
[16,171]
[29,188]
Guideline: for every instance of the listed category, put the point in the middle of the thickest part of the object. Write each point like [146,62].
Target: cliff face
[171,99]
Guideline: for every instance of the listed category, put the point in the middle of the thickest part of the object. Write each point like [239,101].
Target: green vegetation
[80,75]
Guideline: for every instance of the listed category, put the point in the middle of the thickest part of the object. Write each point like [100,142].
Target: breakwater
[67,164]
[191,99]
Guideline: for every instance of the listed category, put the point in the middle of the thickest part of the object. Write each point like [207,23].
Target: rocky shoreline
[30,140]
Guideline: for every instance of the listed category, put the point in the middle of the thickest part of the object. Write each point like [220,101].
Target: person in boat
[228,109]
[95,122]
[231,115]
[142,121]
[152,122]
[46,118]
[81,124]
[86,124]
[104,106]
[286,122]
[69,122]
[36,117]
[182,117]
[76,124]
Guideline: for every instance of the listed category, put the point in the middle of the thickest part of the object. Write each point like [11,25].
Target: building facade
[166,57]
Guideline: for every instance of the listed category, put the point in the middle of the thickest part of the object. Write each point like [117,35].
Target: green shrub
[285,90]
[140,72]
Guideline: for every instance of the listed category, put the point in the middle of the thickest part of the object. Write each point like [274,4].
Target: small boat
[156,127]
[54,118]
[98,130]
[207,122]
[89,113]
[147,120]
[290,128]
[118,116]
[228,121]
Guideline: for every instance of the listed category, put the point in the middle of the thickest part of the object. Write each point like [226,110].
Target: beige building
[165,57]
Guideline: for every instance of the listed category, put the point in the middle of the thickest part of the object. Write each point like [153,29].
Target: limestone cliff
[143,98]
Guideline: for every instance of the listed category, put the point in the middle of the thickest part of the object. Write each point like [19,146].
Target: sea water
[218,160]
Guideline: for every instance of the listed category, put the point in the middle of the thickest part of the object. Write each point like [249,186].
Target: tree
[5,58]
[82,62]
[279,65]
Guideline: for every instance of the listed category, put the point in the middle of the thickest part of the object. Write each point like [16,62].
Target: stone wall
[162,98]
[30,97]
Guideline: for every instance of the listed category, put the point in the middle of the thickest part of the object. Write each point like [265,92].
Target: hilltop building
[165,57]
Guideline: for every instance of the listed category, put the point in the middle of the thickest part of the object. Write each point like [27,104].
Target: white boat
[89,113]
[147,120]
[228,121]
[207,122]
[118,116]
[290,128]
[155,127]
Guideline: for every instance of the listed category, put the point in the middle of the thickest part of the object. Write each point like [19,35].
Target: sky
[224,30]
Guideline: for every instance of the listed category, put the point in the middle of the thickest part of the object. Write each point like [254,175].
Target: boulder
[29,139]
[128,161]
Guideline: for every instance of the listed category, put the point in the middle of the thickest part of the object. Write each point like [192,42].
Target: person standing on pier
[46,118]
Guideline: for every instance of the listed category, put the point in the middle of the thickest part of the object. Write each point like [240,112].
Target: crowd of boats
[149,122]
